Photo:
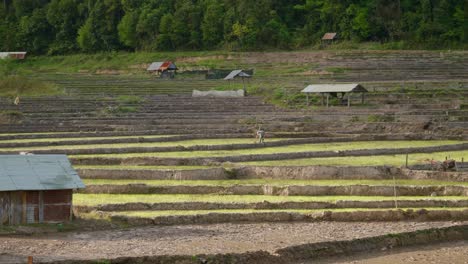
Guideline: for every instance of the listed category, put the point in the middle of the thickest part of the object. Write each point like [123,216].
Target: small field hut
[329,38]
[16,55]
[238,74]
[36,189]
[164,69]
[334,90]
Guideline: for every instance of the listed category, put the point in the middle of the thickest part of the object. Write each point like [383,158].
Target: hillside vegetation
[69,26]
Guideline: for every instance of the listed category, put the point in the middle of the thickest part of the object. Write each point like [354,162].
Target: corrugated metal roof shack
[166,69]
[36,189]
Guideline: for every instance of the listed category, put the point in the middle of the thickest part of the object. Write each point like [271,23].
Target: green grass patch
[151,214]
[16,85]
[394,160]
[135,62]
[130,167]
[336,70]
[130,99]
[275,182]
[285,149]
[100,199]
[52,139]
[184,143]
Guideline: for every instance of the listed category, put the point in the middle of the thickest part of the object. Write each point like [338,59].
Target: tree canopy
[66,26]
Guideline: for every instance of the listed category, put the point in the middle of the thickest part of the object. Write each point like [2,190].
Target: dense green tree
[212,25]
[127,29]
[100,29]
[34,32]
[165,39]
[65,16]
[65,26]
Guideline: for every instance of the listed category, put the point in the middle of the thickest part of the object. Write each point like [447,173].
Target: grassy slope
[276,182]
[97,199]
[150,214]
[395,160]
[185,143]
[136,167]
[283,149]
[16,85]
[52,140]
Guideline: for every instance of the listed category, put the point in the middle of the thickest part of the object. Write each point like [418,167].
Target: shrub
[129,99]
[381,118]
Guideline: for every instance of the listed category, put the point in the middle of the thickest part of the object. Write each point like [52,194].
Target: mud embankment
[262,157]
[289,190]
[277,172]
[271,206]
[199,174]
[344,216]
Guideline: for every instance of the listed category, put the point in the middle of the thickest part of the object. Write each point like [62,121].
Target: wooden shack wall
[25,207]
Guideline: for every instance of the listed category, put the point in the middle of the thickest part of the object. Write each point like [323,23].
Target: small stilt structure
[331,90]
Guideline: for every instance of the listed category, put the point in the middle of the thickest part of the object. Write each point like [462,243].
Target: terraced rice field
[151,191]
[150,154]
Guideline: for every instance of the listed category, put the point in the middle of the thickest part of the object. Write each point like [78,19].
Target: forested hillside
[68,26]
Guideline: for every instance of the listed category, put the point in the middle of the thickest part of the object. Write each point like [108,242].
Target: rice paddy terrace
[150,154]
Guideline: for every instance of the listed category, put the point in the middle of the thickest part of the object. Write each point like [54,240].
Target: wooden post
[395,192]
[30,260]
[307,96]
[25,208]
[41,206]
[322,99]
[328,96]
[349,102]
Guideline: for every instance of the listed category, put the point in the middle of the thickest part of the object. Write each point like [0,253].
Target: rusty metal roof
[329,36]
[162,66]
[334,88]
[236,73]
[37,172]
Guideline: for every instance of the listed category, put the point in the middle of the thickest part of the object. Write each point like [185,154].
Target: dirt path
[450,253]
[191,239]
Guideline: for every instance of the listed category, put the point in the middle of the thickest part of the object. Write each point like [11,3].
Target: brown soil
[453,252]
[191,239]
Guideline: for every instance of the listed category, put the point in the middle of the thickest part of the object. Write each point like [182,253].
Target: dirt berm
[198,174]
[277,172]
[261,157]
[289,190]
[305,252]
[270,206]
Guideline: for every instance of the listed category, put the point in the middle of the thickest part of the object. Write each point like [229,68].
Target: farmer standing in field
[261,135]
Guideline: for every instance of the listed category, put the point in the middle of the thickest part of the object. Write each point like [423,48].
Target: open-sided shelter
[327,90]
[165,69]
[36,189]
[238,74]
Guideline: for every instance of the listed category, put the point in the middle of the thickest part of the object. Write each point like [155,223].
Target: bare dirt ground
[191,239]
[450,253]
